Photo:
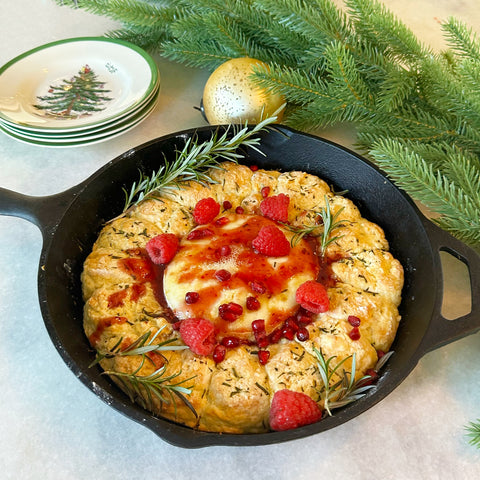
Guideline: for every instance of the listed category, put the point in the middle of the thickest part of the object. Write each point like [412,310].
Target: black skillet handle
[441,330]
[44,212]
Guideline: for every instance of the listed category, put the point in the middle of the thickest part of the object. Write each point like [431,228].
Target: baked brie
[271,272]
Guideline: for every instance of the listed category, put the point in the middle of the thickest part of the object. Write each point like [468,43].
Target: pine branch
[462,39]
[412,173]
[377,25]
[360,65]
[473,432]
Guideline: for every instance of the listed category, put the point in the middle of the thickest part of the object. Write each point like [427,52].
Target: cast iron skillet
[70,222]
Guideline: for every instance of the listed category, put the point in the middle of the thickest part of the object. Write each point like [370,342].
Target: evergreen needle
[473,432]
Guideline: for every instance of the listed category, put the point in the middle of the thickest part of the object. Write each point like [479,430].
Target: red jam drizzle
[255,271]
[252,271]
[102,325]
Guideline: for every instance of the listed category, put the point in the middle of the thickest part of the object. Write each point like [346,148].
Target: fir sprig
[195,159]
[473,433]
[358,64]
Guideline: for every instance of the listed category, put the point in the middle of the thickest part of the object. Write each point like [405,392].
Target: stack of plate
[77,91]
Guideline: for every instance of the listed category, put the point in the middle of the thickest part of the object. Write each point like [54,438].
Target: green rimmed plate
[75,84]
[89,138]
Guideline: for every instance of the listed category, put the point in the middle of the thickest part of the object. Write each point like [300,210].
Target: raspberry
[205,210]
[199,335]
[276,207]
[162,248]
[313,297]
[271,241]
[291,409]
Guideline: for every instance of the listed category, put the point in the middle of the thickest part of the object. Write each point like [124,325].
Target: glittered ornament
[231,96]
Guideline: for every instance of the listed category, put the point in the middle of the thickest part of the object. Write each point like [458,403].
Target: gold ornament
[231,96]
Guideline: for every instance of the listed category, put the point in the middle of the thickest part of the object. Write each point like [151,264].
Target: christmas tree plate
[76,141]
[75,84]
[71,135]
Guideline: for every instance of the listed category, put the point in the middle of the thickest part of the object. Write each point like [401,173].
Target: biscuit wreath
[300,294]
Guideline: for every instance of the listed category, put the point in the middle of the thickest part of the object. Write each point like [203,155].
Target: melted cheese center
[226,246]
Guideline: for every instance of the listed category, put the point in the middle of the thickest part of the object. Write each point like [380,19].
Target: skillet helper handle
[41,211]
[16,204]
[441,330]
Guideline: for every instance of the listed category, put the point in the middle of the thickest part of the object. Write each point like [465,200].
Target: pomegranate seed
[252,304]
[220,222]
[369,381]
[257,287]
[230,311]
[288,333]
[227,205]
[199,233]
[253,168]
[219,353]
[263,356]
[290,322]
[265,191]
[192,297]
[240,210]
[258,325]
[304,320]
[354,333]
[302,334]
[176,325]
[380,354]
[225,251]
[230,342]
[276,336]
[223,275]
[353,321]
[263,341]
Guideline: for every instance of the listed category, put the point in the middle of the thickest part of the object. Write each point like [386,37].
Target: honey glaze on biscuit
[222,267]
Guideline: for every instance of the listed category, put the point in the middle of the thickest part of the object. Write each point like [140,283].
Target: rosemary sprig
[145,388]
[141,346]
[193,161]
[473,432]
[346,389]
[330,222]
[300,231]
[155,385]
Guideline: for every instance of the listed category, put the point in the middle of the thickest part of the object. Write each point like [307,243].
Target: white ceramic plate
[88,139]
[70,135]
[75,84]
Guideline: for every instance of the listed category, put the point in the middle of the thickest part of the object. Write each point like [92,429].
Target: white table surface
[52,427]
